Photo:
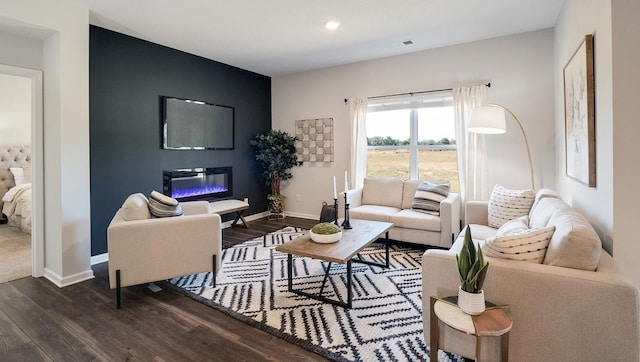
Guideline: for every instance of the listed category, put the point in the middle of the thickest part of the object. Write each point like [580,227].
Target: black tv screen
[196,125]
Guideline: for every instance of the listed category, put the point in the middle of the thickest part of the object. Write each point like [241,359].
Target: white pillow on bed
[18,175]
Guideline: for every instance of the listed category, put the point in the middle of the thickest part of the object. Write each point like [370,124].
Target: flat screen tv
[196,125]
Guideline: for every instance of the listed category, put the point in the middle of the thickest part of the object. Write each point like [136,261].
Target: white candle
[335,192]
[346,184]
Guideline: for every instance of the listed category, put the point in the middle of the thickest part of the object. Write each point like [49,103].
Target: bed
[15,186]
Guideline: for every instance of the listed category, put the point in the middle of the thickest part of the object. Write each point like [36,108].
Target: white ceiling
[278,37]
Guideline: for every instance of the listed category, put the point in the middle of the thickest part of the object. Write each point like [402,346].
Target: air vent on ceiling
[407,42]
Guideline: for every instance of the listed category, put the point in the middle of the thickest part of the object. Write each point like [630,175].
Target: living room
[525,71]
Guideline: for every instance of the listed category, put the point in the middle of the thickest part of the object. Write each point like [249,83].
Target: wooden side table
[493,322]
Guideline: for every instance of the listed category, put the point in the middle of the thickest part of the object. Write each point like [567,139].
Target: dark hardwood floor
[41,322]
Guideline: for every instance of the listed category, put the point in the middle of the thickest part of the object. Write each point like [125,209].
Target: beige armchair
[144,249]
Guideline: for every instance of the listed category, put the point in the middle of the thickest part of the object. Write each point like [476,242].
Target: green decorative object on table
[325,232]
[325,228]
[473,271]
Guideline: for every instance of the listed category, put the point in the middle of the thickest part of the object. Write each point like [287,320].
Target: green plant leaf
[471,265]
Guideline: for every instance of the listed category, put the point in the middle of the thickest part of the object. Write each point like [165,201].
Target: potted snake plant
[473,271]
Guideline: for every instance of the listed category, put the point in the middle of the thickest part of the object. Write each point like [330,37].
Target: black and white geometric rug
[385,323]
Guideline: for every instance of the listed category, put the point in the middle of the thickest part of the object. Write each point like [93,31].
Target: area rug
[385,323]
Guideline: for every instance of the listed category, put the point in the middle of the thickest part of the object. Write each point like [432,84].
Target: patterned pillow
[505,205]
[428,196]
[529,245]
[163,206]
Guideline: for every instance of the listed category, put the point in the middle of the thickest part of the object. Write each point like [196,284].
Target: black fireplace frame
[167,186]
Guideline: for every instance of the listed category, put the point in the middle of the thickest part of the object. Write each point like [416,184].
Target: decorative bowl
[325,238]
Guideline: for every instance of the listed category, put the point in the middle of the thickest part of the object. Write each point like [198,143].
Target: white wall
[15,110]
[612,205]
[578,18]
[519,67]
[24,52]
[65,65]
[626,172]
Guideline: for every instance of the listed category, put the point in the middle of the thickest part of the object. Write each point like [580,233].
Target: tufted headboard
[11,156]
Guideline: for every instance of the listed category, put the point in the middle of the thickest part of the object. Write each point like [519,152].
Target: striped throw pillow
[163,206]
[505,205]
[529,245]
[428,196]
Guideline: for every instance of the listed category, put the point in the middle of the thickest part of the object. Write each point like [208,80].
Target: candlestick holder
[345,223]
[335,211]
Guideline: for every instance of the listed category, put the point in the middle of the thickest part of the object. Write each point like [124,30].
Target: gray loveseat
[390,200]
[575,306]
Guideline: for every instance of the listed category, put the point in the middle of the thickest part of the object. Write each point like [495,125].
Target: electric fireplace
[198,183]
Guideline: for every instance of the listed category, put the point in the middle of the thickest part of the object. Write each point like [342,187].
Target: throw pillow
[428,196]
[514,226]
[505,205]
[164,199]
[18,175]
[529,245]
[135,208]
[163,206]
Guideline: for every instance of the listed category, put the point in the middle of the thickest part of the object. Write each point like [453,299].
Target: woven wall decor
[315,140]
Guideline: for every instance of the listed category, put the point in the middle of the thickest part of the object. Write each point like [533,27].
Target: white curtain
[470,146]
[358,152]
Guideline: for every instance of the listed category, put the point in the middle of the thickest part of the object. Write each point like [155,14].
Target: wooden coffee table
[363,233]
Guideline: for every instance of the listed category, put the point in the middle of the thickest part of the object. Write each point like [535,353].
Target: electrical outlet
[246,199]
[297,197]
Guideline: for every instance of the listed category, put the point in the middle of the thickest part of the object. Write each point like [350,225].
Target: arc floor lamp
[491,119]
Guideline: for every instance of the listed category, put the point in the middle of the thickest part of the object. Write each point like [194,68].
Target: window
[413,138]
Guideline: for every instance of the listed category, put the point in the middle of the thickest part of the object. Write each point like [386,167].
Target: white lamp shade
[487,120]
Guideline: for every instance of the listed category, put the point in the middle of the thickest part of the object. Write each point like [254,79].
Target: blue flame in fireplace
[197,191]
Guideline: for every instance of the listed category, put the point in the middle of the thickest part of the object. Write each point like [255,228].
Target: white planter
[325,238]
[471,303]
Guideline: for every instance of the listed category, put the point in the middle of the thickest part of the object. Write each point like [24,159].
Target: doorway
[34,78]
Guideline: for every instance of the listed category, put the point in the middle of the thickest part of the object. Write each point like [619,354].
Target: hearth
[198,183]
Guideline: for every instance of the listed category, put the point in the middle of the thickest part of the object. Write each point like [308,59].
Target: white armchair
[144,249]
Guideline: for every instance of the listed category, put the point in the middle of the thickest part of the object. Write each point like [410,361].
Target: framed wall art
[315,140]
[579,112]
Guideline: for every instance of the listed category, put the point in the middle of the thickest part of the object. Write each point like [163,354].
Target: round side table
[493,322]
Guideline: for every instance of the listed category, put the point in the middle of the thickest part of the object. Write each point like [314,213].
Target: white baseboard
[62,282]
[227,224]
[302,216]
[100,258]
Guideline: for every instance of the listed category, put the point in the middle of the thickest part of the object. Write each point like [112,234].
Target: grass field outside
[432,165]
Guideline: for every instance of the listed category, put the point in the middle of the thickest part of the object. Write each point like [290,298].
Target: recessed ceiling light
[332,25]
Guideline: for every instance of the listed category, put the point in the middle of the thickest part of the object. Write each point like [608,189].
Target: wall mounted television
[195,125]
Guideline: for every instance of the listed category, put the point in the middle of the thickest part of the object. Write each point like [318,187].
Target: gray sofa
[390,200]
[575,306]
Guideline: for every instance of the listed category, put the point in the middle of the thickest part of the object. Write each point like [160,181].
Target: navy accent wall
[127,76]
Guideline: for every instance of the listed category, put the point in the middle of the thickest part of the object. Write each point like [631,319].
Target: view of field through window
[432,165]
[427,131]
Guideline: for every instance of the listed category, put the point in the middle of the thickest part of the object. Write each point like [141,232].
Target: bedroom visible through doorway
[21,129]
[15,191]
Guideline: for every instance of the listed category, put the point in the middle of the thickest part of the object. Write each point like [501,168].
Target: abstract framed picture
[315,140]
[579,113]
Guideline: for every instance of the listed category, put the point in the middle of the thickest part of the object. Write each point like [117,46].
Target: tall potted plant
[276,154]
[473,270]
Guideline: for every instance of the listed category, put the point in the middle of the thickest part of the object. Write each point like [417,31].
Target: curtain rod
[488,85]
